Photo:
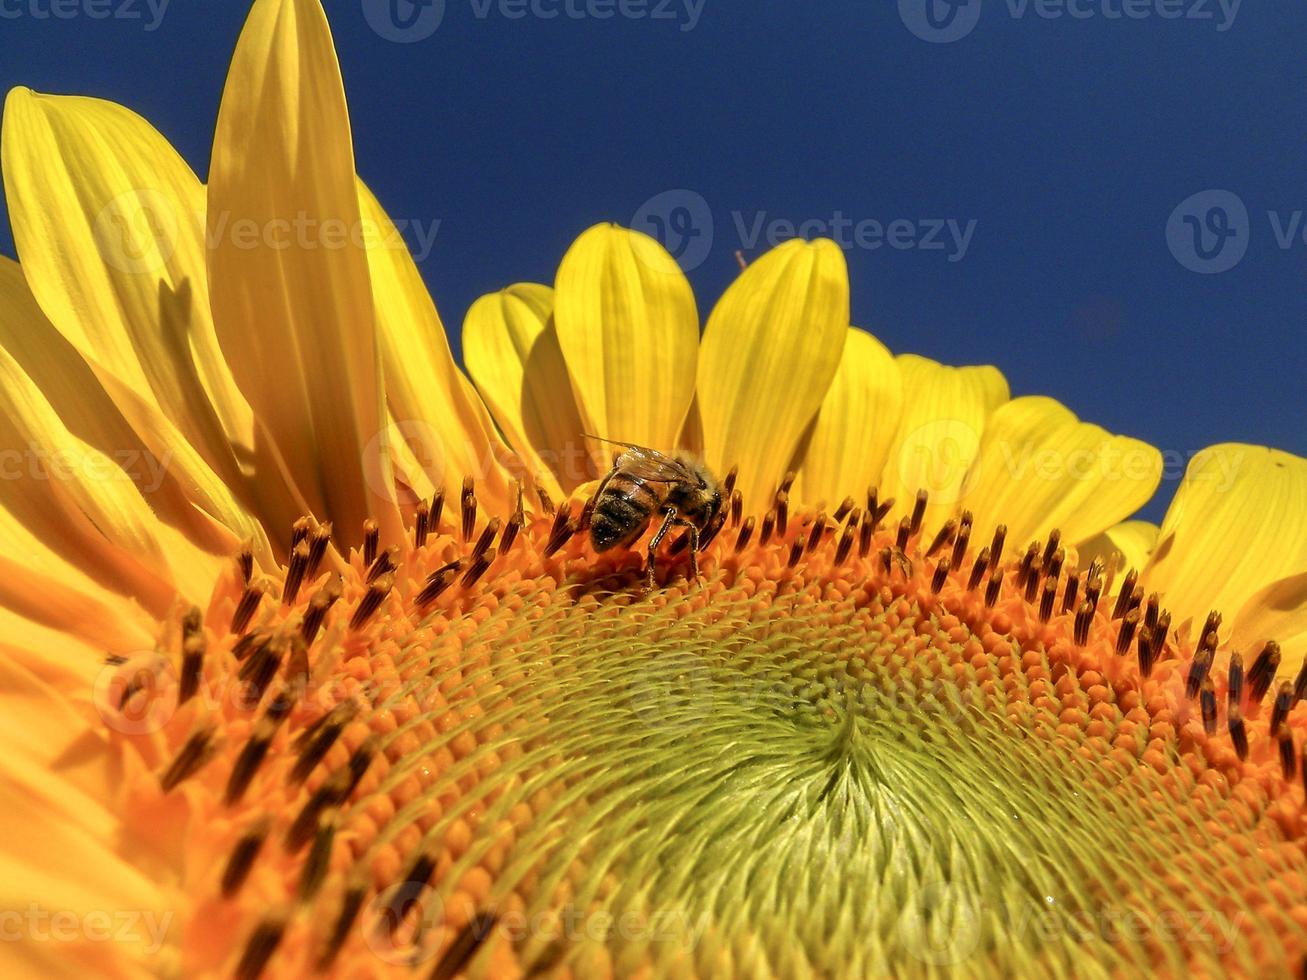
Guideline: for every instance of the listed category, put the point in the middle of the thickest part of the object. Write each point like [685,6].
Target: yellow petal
[628,327]
[1237,526]
[1041,468]
[55,774]
[512,352]
[436,412]
[851,437]
[108,220]
[770,350]
[1125,546]
[939,433]
[1275,612]
[81,503]
[288,271]
[82,404]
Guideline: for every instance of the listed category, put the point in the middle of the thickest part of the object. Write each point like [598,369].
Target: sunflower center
[845,748]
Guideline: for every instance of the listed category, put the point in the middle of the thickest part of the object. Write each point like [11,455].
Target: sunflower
[309,665]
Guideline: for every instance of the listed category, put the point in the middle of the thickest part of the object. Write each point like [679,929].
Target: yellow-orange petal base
[844,749]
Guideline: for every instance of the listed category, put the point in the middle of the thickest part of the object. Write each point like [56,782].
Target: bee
[643,483]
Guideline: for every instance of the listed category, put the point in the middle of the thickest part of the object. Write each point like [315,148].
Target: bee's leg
[669,518]
[693,531]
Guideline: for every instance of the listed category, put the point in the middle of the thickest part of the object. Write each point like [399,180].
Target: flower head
[310,664]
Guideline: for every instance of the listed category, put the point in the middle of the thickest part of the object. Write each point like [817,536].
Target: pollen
[853,744]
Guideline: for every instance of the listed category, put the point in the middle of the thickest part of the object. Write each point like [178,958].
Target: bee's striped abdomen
[622,512]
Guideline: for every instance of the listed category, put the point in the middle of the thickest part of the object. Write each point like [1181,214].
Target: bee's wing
[648,464]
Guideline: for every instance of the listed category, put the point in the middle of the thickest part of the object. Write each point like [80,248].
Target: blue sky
[1102,197]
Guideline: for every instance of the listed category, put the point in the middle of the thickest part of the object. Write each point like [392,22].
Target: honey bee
[643,483]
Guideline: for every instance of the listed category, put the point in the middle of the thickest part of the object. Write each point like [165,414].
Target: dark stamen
[1127,632]
[242,857]
[978,568]
[728,484]
[768,524]
[371,601]
[258,671]
[845,546]
[319,606]
[255,751]
[1151,612]
[384,563]
[487,537]
[866,528]
[905,533]
[318,740]
[194,753]
[842,511]
[1234,690]
[317,550]
[299,531]
[1046,601]
[1288,759]
[816,532]
[299,561]
[1198,669]
[1208,702]
[945,535]
[941,574]
[371,541]
[1283,705]
[796,552]
[1084,617]
[314,872]
[438,581]
[746,532]
[1053,566]
[478,568]
[782,512]
[245,564]
[919,511]
[1238,734]
[1028,567]
[263,942]
[438,509]
[994,589]
[245,608]
[469,507]
[421,523]
[350,906]
[192,662]
[963,539]
[737,507]
[464,946]
[1054,542]
[996,546]
[1262,672]
[1072,588]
